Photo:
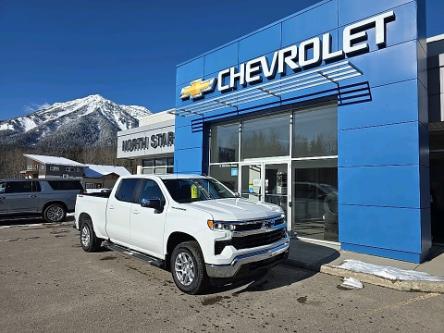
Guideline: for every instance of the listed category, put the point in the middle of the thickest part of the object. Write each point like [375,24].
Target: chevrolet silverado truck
[192,225]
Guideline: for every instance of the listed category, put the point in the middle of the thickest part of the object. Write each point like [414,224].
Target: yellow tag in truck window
[194,192]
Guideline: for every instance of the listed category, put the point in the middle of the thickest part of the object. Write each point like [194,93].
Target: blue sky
[125,50]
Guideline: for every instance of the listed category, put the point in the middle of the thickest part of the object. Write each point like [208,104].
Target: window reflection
[315,132]
[251,185]
[225,143]
[315,209]
[158,165]
[226,174]
[266,136]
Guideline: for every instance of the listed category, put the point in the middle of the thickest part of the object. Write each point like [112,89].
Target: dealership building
[151,145]
[335,113]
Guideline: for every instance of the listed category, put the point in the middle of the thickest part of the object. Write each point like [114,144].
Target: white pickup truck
[192,225]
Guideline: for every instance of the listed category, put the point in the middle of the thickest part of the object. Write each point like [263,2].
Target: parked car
[193,225]
[51,199]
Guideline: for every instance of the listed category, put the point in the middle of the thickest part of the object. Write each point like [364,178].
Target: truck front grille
[249,226]
[250,241]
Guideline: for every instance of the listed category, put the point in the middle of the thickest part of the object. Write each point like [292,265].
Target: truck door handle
[33,196]
[111,207]
[136,212]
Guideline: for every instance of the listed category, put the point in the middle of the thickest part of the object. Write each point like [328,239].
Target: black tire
[190,250]
[54,213]
[88,239]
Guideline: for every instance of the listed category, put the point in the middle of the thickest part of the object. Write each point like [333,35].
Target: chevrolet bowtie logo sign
[197,88]
[296,57]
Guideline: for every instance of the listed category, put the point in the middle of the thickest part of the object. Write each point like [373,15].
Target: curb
[402,285]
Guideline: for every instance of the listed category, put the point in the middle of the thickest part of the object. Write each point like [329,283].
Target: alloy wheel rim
[55,213]
[85,236]
[184,268]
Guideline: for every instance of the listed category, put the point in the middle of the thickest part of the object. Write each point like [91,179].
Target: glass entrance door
[276,185]
[267,182]
[251,182]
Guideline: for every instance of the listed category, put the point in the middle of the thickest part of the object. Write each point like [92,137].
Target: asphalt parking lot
[47,284]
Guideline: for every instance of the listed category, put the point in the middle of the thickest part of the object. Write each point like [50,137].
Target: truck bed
[94,205]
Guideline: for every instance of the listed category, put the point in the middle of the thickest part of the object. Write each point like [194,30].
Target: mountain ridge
[91,120]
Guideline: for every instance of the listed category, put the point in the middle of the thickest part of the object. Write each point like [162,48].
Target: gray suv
[51,199]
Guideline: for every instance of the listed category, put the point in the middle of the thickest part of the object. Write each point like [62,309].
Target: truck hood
[237,209]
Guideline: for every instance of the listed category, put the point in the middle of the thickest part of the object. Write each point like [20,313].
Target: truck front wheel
[188,268]
[88,239]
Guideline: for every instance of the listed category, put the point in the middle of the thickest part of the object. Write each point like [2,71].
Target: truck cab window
[2,187]
[196,189]
[151,191]
[126,190]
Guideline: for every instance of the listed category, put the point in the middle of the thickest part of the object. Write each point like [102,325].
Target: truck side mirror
[155,204]
[237,195]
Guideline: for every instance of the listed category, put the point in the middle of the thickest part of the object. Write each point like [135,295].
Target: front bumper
[228,271]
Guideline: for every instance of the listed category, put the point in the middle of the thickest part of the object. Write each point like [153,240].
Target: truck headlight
[219,225]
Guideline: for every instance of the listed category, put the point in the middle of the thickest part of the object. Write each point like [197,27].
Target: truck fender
[174,239]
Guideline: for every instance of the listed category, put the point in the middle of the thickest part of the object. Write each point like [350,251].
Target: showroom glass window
[315,199]
[158,165]
[266,137]
[226,174]
[225,143]
[315,132]
[315,172]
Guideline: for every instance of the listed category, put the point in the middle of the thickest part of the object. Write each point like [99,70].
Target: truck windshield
[196,189]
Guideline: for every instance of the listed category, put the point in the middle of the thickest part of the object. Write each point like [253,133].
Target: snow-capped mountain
[90,120]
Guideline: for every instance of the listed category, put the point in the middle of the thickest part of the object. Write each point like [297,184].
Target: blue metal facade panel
[301,27]
[380,186]
[195,140]
[389,105]
[402,225]
[260,43]
[382,141]
[392,64]
[188,160]
[190,71]
[374,145]
[413,257]
[351,10]
[221,59]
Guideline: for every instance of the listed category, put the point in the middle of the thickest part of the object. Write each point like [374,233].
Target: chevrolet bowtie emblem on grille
[197,88]
[268,224]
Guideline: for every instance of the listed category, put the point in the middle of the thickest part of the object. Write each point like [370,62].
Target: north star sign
[296,57]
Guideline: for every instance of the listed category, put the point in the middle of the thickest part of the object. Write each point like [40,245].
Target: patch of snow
[388,272]
[6,126]
[94,170]
[46,159]
[27,123]
[352,283]
[136,111]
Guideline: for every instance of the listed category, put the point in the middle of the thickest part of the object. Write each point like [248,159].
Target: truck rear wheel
[188,268]
[88,239]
